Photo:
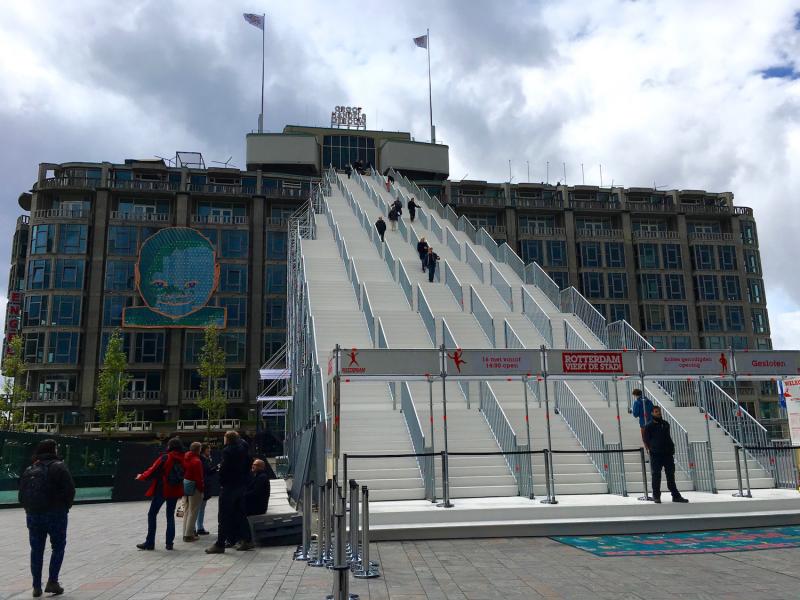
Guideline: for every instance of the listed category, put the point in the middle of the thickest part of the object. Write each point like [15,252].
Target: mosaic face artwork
[176,275]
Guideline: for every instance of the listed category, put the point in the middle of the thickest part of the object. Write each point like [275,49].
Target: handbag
[189,487]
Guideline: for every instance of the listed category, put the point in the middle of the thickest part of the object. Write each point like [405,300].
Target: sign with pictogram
[686,363]
[391,364]
[492,363]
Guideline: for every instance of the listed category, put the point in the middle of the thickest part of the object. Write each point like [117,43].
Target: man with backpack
[166,486]
[46,492]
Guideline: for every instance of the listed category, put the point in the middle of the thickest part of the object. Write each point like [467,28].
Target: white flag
[421,41]
[255,20]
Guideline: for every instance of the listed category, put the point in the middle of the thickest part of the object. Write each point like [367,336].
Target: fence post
[740,493]
[319,559]
[709,451]
[445,503]
[340,567]
[739,421]
[355,555]
[551,493]
[302,552]
[619,435]
[366,571]
[329,498]
[646,497]
[531,495]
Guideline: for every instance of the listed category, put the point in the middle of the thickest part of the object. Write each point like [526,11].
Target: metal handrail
[405,283]
[370,316]
[621,335]
[581,423]
[451,216]
[452,282]
[482,315]
[390,261]
[512,260]
[537,276]
[487,241]
[512,340]
[382,342]
[425,463]
[474,262]
[436,230]
[572,301]
[501,285]
[423,308]
[537,316]
[467,227]
[453,243]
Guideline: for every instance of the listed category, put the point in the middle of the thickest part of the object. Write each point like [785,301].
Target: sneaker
[52,587]
[37,592]
[657,500]
[214,549]
[202,532]
[145,547]
[681,500]
[170,547]
[245,546]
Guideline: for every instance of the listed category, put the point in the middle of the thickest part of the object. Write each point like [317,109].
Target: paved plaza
[103,563]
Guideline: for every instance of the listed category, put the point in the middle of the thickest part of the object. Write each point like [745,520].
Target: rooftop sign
[348,117]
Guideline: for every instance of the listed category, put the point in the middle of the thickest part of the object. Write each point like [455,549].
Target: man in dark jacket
[398,206]
[46,493]
[393,217]
[422,250]
[256,499]
[233,474]
[412,209]
[662,455]
[380,225]
[430,262]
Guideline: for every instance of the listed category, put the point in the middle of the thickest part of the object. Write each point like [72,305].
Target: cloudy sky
[681,93]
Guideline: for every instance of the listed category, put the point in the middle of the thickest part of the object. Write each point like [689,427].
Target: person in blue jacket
[643,410]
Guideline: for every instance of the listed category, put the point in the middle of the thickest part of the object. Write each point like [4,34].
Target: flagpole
[263,35]
[430,95]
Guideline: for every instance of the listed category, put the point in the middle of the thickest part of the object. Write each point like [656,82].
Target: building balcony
[594,205]
[145,185]
[460,199]
[195,395]
[51,399]
[219,220]
[277,224]
[150,217]
[523,202]
[650,207]
[77,214]
[655,235]
[141,397]
[63,183]
[710,237]
[743,211]
[23,221]
[496,230]
[225,189]
[706,209]
[606,234]
[299,194]
[527,233]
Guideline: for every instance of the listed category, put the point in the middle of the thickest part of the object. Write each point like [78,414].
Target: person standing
[256,498]
[46,492]
[209,472]
[193,487]
[430,261]
[380,225]
[422,250]
[166,477]
[233,474]
[393,216]
[662,456]
[643,410]
[412,209]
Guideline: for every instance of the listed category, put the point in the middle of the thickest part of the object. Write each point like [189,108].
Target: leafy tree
[16,394]
[111,382]
[212,368]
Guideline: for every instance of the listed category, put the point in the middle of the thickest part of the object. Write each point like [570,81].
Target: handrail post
[355,554]
[551,492]
[319,559]
[709,451]
[366,571]
[302,552]
[646,497]
[445,503]
[531,495]
[619,434]
[740,493]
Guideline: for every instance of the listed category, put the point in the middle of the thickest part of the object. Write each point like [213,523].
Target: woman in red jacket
[166,475]
[193,486]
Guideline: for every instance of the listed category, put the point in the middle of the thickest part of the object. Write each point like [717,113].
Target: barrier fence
[482,314]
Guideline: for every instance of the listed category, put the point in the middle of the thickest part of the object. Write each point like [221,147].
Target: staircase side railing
[474,262]
[451,216]
[453,243]
[356,281]
[405,283]
[382,341]
[512,260]
[425,463]
[436,230]
[465,225]
[366,306]
[506,438]
[482,315]
[487,241]
[501,285]
[537,317]
[452,282]
[572,301]
[426,313]
[388,257]
[512,340]
[534,274]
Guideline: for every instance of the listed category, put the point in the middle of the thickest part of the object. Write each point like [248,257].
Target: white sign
[348,116]
[767,363]
[368,362]
[591,362]
[492,363]
[791,393]
[688,363]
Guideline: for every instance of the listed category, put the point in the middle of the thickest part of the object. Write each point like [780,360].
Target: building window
[69,274]
[276,245]
[63,347]
[235,244]
[615,255]
[590,254]
[659,342]
[112,309]
[276,279]
[193,345]
[650,287]
[705,287]
[236,315]
[275,313]
[234,346]
[749,232]
[730,288]
[711,318]
[342,150]
[681,342]
[66,311]
[38,274]
[126,345]
[653,315]
[651,225]
[272,344]
[751,262]
[734,317]
[34,347]
[531,251]
[703,257]
[739,342]
[72,239]
[727,258]
[755,291]
[764,343]
[713,342]
[679,317]
[120,276]
[556,253]
[149,347]
[42,239]
[703,227]
[672,256]
[233,278]
[122,241]
[619,312]
[617,285]
[592,285]
[647,256]
[675,287]
[760,324]
[35,312]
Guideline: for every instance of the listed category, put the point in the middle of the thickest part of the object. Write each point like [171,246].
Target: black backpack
[34,488]
[175,475]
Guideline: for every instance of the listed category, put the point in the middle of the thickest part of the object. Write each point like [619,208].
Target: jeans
[40,525]
[155,505]
[431,272]
[667,462]
[231,516]
[201,514]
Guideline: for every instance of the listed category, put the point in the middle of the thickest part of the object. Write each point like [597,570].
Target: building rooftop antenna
[170,161]
[227,164]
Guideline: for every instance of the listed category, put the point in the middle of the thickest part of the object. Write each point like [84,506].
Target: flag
[782,394]
[255,20]
[421,41]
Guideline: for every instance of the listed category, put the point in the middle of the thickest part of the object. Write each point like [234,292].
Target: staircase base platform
[580,515]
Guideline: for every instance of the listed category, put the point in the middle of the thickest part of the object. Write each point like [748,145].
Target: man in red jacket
[193,486]
[166,475]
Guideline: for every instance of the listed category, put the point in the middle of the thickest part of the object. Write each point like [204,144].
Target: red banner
[592,362]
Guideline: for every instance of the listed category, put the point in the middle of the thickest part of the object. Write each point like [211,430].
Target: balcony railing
[117,215]
[277,223]
[51,398]
[539,232]
[62,213]
[131,396]
[231,189]
[461,199]
[126,427]
[523,202]
[655,235]
[23,220]
[495,230]
[710,237]
[706,209]
[144,185]
[299,193]
[650,207]
[743,210]
[220,219]
[615,234]
[67,182]
[594,205]
[195,395]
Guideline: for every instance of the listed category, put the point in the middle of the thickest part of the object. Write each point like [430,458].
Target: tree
[111,381]
[14,369]
[212,368]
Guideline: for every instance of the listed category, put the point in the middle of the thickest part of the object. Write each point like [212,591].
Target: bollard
[304,549]
[646,497]
[740,493]
[445,503]
[341,581]
[353,552]
[319,555]
[368,569]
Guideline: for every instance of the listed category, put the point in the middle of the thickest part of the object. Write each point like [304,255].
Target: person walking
[643,410]
[662,456]
[430,261]
[422,250]
[166,486]
[193,483]
[393,216]
[46,492]
[209,472]
[233,474]
[349,170]
[380,225]
[398,206]
[412,209]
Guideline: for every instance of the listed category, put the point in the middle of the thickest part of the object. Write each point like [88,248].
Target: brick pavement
[103,563]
